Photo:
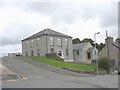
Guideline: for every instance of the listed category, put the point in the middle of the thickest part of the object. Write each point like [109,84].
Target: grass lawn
[56,63]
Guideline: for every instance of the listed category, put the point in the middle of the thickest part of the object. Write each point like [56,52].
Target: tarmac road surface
[36,77]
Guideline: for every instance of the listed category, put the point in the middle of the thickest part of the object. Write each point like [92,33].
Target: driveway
[36,77]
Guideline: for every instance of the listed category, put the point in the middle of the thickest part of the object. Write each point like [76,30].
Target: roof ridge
[83,42]
[48,32]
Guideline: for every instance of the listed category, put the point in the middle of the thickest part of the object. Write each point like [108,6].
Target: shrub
[103,63]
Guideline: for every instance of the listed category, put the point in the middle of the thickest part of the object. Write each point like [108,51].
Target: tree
[102,46]
[98,46]
[76,40]
[89,40]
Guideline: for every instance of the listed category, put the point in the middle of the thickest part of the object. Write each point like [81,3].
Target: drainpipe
[46,41]
[46,44]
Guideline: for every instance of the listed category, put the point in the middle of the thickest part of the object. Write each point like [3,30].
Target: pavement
[7,75]
[33,76]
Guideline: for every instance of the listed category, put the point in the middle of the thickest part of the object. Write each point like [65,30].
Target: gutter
[115,45]
[46,44]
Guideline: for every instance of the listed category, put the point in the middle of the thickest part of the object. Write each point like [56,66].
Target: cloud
[10,49]
[16,24]
[17,32]
[78,18]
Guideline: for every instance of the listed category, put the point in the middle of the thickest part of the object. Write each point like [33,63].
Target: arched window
[31,43]
[59,43]
[26,44]
[66,42]
[38,42]
[51,41]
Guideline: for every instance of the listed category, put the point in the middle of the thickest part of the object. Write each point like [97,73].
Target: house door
[60,53]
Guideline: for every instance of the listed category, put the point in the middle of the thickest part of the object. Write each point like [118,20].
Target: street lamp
[95,51]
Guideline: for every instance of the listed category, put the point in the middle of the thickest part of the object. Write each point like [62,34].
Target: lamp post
[95,51]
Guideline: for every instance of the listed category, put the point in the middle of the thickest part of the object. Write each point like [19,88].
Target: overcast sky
[77,18]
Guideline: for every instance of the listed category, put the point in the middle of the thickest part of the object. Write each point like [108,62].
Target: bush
[103,63]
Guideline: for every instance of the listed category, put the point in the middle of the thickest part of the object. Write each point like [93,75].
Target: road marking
[25,78]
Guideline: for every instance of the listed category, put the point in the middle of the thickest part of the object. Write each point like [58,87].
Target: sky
[77,18]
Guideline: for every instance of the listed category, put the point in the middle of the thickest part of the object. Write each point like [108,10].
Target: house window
[26,53]
[66,42]
[59,43]
[51,41]
[26,44]
[38,52]
[84,51]
[52,50]
[95,52]
[31,43]
[32,54]
[88,55]
[67,53]
[77,52]
[38,42]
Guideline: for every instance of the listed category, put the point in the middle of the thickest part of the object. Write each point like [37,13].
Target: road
[36,77]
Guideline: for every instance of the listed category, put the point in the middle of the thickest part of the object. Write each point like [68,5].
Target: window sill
[59,46]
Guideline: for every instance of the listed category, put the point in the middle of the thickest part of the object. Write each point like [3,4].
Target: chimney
[109,40]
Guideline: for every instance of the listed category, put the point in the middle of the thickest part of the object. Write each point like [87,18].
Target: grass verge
[56,63]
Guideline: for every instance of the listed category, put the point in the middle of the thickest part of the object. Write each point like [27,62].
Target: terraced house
[48,41]
[111,51]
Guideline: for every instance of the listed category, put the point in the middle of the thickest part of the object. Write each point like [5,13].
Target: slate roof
[47,32]
[79,46]
[91,49]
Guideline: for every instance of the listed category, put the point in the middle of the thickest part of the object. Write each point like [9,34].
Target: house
[48,41]
[111,51]
[84,52]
